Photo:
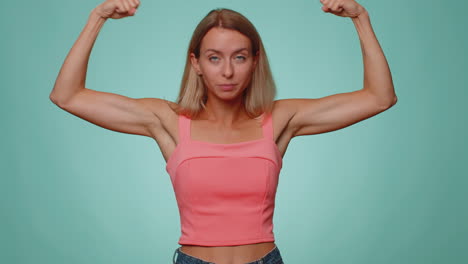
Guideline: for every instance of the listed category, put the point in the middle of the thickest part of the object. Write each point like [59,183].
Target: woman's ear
[195,65]
[255,58]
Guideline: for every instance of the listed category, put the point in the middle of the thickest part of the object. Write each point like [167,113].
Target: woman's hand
[343,8]
[117,9]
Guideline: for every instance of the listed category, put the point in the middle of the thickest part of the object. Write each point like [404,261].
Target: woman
[226,114]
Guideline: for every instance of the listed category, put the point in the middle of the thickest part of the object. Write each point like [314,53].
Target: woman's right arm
[108,110]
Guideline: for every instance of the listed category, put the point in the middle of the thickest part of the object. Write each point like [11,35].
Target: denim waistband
[272,257]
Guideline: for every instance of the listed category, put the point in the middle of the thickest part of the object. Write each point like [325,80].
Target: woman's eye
[216,58]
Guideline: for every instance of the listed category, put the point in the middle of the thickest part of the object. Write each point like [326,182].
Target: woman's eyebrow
[217,51]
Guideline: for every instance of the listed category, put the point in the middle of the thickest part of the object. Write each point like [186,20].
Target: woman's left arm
[377,76]
[313,116]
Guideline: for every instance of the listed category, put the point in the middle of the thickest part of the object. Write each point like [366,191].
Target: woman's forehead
[224,40]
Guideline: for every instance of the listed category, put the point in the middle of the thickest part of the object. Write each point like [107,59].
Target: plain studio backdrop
[390,189]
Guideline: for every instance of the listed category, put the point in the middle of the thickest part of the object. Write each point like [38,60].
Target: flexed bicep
[115,112]
[333,112]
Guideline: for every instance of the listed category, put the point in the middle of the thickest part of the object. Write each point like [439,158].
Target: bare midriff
[229,255]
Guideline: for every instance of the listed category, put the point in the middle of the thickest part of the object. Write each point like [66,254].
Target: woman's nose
[228,70]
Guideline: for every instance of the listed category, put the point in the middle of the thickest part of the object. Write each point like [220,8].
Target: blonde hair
[258,97]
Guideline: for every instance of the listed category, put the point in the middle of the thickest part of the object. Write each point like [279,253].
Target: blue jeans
[272,257]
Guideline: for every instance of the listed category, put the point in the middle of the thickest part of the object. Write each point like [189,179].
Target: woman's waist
[229,254]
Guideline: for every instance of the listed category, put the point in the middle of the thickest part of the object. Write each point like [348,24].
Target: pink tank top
[225,192]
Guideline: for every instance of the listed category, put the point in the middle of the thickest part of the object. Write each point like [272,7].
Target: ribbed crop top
[225,192]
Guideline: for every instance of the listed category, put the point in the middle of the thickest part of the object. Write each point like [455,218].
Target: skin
[225,58]
[224,120]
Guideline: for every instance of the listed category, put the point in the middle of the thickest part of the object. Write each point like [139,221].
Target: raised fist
[117,9]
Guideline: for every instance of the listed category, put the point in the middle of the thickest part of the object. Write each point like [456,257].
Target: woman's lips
[227,87]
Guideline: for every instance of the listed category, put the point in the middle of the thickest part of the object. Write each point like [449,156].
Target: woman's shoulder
[284,108]
[161,107]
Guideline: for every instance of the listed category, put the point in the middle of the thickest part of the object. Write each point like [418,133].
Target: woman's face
[226,62]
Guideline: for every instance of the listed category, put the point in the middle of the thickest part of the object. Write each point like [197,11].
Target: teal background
[390,189]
